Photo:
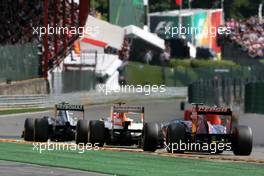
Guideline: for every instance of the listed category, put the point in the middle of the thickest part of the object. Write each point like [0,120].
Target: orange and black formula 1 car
[123,127]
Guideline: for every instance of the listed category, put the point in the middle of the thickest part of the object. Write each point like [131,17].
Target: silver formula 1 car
[64,126]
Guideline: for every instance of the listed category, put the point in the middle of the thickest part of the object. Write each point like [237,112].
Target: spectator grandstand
[248,34]
[17,19]
[20,17]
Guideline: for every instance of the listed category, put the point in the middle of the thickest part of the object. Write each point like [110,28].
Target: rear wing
[212,110]
[124,109]
[69,107]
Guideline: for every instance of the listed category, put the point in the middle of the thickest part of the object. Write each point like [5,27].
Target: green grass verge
[202,63]
[26,110]
[142,74]
[182,72]
[124,163]
[261,61]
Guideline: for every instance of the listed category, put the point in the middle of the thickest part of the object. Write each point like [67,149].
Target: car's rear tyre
[242,140]
[176,135]
[96,134]
[150,137]
[29,129]
[82,132]
[41,130]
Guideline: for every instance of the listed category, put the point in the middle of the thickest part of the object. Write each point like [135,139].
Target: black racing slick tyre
[242,140]
[150,137]
[176,135]
[41,130]
[29,129]
[96,134]
[81,136]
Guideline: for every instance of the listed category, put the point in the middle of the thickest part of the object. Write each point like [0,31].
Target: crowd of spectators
[249,35]
[18,18]
[71,19]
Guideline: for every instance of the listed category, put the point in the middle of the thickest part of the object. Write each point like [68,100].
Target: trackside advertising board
[196,26]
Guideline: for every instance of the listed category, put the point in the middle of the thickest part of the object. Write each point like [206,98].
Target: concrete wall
[32,86]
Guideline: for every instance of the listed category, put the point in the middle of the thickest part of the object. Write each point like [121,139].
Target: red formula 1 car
[214,119]
[205,129]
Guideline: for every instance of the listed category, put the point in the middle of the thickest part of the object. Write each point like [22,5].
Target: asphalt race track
[8,168]
[11,127]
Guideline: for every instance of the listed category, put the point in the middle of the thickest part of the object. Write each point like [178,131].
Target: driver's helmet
[187,114]
[62,114]
[213,119]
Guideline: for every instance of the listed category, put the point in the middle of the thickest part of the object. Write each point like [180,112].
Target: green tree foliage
[161,5]
[240,9]
[101,6]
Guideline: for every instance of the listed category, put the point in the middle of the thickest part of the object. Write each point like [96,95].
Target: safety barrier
[219,92]
[10,101]
[19,62]
[254,97]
